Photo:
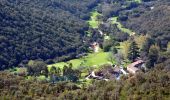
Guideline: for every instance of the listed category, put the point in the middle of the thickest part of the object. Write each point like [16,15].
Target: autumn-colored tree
[140,40]
[125,48]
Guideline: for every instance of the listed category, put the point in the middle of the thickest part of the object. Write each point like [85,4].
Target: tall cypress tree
[133,51]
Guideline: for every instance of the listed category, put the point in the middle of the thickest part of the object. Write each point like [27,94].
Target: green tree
[133,51]
[36,68]
[116,58]
[168,47]
[54,74]
[55,70]
[152,56]
[110,45]
[146,45]
[71,74]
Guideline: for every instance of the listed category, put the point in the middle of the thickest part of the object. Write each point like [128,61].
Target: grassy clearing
[95,59]
[137,1]
[120,26]
[94,22]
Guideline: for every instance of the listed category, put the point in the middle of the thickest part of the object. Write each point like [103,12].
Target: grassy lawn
[97,59]
[94,59]
[120,26]
[94,22]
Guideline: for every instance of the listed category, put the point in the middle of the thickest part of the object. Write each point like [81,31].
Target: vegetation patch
[137,1]
[120,26]
[88,33]
[94,22]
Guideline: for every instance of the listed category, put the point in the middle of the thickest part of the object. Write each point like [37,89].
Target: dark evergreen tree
[133,51]
[70,73]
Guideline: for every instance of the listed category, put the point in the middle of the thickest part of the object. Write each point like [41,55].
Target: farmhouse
[134,67]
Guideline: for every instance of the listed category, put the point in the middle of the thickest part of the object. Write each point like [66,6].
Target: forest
[41,30]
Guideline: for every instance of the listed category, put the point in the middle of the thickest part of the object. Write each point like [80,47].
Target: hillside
[153,20]
[41,30]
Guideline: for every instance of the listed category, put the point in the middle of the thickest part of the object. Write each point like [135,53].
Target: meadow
[91,60]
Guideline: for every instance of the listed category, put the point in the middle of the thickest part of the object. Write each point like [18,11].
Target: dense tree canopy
[154,20]
[49,29]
